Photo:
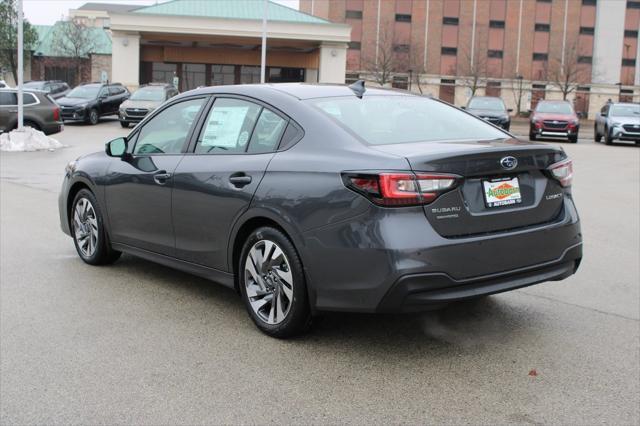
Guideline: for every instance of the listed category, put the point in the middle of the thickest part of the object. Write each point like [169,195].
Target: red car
[554,119]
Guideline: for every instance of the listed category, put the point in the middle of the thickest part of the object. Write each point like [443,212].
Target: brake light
[56,114]
[562,172]
[401,189]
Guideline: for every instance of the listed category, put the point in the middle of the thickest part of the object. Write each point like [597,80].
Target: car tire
[532,136]
[607,136]
[272,284]
[507,127]
[87,229]
[93,116]
[597,137]
[573,138]
[124,124]
[32,124]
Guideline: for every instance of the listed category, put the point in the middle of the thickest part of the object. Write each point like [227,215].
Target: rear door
[138,188]
[215,183]
[8,109]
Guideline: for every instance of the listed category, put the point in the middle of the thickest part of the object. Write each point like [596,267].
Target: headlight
[616,124]
[575,122]
[70,167]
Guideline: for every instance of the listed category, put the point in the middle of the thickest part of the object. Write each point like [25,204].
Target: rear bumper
[395,261]
[52,128]
[418,292]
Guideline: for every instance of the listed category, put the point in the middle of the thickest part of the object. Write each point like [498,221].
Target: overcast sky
[46,12]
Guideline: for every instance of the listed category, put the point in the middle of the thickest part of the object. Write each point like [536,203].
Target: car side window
[604,110]
[104,92]
[8,99]
[29,99]
[267,133]
[167,131]
[228,127]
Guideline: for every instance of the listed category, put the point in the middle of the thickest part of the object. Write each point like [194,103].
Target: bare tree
[566,71]
[518,90]
[385,62]
[9,36]
[75,41]
[473,69]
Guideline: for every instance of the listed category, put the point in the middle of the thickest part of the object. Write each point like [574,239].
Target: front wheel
[573,138]
[272,284]
[124,124]
[93,116]
[87,229]
[607,137]
[596,136]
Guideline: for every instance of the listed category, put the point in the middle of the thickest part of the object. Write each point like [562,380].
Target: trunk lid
[467,210]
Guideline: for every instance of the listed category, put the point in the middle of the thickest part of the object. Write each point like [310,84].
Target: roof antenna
[358,88]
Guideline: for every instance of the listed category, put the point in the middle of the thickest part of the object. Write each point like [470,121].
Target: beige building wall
[100,63]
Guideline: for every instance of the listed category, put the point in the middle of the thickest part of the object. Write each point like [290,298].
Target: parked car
[618,121]
[4,85]
[554,119]
[40,111]
[490,108]
[55,88]
[89,102]
[307,198]
[144,100]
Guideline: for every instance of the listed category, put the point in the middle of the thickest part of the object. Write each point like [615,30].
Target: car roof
[486,97]
[625,103]
[554,101]
[297,90]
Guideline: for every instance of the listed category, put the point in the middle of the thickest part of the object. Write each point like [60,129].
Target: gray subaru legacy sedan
[309,198]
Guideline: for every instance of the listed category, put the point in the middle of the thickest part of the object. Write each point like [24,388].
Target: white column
[333,63]
[608,41]
[125,59]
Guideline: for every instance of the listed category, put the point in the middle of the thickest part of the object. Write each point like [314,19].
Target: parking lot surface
[140,343]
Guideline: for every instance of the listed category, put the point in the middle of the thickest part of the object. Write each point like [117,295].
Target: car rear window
[382,120]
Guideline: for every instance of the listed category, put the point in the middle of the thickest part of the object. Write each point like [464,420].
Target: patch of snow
[28,139]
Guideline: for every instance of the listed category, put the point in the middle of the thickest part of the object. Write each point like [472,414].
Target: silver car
[618,121]
[143,101]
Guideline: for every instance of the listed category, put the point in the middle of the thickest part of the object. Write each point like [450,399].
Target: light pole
[263,59]
[20,66]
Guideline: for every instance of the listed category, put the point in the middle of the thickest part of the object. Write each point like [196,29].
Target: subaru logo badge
[509,163]
[555,121]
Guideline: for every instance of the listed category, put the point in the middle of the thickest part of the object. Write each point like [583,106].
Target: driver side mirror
[463,107]
[116,147]
[509,109]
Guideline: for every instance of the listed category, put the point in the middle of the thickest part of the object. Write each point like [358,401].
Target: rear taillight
[400,189]
[562,172]
[56,114]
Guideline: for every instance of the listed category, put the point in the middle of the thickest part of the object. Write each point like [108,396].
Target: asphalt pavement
[138,343]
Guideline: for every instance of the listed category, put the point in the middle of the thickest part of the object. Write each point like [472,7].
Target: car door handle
[240,179]
[161,177]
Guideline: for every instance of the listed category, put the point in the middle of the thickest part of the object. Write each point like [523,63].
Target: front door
[138,194]
[214,184]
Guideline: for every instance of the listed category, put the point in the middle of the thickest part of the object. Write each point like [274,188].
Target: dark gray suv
[306,198]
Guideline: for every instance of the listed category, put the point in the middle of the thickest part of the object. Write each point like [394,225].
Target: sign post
[20,66]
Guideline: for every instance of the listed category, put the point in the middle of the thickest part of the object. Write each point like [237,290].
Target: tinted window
[28,99]
[84,92]
[228,127]
[404,119]
[166,132]
[267,133]
[554,107]
[8,98]
[487,103]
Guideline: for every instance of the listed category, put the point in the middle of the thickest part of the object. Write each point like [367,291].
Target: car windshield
[84,92]
[625,111]
[148,94]
[404,119]
[554,108]
[495,104]
[38,85]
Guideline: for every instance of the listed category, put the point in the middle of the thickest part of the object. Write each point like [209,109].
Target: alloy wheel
[269,282]
[85,227]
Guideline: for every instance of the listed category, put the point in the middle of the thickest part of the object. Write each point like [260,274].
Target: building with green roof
[202,43]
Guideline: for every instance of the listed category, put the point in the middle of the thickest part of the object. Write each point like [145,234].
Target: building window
[355,45]
[449,20]
[400,82]
[628,62]
[453,51]
[249,74]
[543,28]
[585,59]
[160,72]
[401,48]
[494,53]
[540,56]
[631,33]
[351,77]
[403,18]
[285,75]
[353,14]
[496,24]
[589,2]
[587,30]
[544,1]
[633,4]
[223,74]
[193,76]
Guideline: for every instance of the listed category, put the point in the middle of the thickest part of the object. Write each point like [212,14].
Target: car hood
[487,112]
[64,101]
[626,120]
[554,116]
[129,103]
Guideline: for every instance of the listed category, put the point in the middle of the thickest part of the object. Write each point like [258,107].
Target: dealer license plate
[502,192]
